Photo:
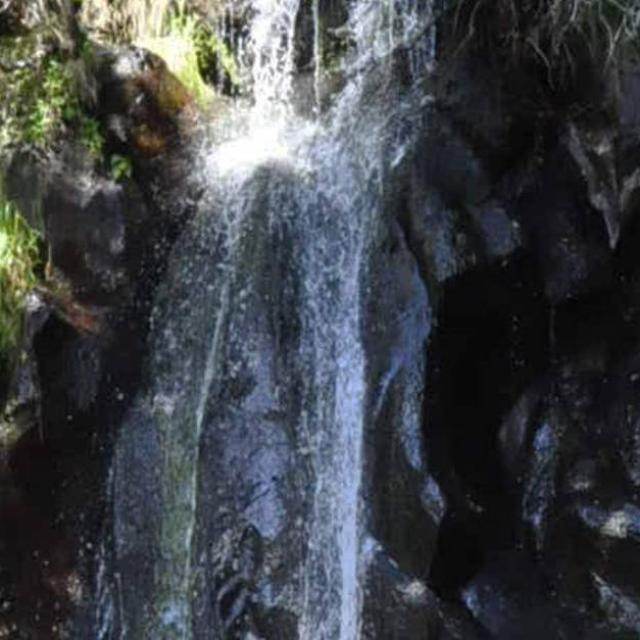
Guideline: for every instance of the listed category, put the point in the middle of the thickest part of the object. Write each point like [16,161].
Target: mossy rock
[152,106]
[169,94]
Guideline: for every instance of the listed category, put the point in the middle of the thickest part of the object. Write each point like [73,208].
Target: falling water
[270,173]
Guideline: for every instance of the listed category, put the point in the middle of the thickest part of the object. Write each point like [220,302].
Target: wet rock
[568,238]
[622,611]
[629,94]
[406,502]
[616,523]
[578,514]
[321,39]
[489,339]
[540,482]
[146,108]
[632,454]
[499,234]
[70,369]
[628,147]
[454,222]
[594,153]
[451,241]
[25,181]
[449,165]
[243,519]
[518,472]
[86,233]
[135,542]
[470,92]
[510,599]
[22,409]
[441,243]
[399,607]
[515,431]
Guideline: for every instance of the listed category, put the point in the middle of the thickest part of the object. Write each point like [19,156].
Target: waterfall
[257,394]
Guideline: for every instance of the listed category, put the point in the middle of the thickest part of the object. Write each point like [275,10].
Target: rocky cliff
[499,325]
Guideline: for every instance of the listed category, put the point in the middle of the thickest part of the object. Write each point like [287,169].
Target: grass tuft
[555,33]
[19,258]
[189,45]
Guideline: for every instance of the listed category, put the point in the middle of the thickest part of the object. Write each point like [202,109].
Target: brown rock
[154,110]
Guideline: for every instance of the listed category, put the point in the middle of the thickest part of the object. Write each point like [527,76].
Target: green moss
[121,168]
[42,99]
[173,577]
[19,257]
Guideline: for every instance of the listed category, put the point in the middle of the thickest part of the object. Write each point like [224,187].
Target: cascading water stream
[311,191]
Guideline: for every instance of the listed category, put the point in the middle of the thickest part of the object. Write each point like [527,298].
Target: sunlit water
[336,163]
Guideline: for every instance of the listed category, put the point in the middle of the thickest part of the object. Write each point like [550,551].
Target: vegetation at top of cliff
[191,48]
[124,21]
[177,47]
[19,258]
[558,35]
[181,32]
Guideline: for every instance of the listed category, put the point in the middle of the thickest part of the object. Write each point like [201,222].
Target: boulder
[144,106]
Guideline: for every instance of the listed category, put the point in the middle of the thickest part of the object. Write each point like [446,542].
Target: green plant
[212,51]
[121,168]
[178,49]
[42,101]
[190,46]
[19,257]
[91,135]
[55,104]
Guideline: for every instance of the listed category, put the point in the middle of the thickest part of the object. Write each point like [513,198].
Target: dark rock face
[405,500]
[576,497]
[84,341]
[86,235]
[503,287]
[405,609]
[523,232]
